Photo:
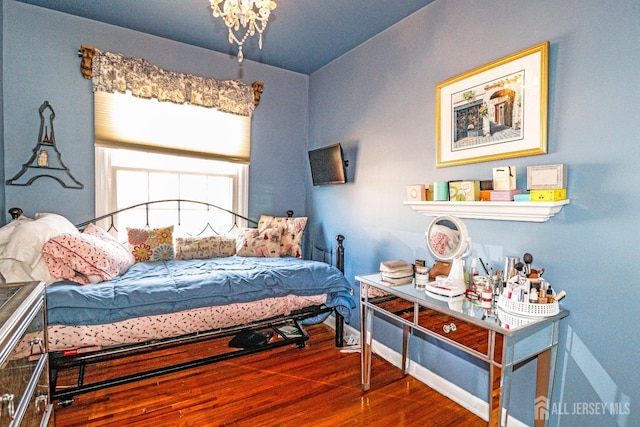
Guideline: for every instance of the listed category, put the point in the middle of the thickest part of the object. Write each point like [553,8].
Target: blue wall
[41,63]
[379,101]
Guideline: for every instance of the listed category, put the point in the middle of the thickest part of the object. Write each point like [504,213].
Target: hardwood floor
[312,386]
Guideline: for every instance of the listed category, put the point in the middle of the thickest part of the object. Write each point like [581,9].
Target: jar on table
[421,277]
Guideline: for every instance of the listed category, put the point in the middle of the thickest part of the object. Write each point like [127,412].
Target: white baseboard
[462,397]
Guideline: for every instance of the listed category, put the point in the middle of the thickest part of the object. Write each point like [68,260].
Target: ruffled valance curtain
[115,73]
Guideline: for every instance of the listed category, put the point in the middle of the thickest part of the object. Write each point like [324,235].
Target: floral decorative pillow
[204,247]
[151,244]
[259,243]
[292,233]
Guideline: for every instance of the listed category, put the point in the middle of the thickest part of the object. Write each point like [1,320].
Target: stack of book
[396,272]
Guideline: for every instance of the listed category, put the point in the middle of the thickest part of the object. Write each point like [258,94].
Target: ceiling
[302,35]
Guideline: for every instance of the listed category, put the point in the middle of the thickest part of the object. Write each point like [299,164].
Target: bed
[164,289]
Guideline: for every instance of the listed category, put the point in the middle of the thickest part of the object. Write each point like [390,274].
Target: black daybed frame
[59,361]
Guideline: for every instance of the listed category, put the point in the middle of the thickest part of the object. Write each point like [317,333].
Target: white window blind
[125,121]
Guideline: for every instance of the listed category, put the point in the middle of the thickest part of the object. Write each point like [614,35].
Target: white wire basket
[511,321]
[528,309]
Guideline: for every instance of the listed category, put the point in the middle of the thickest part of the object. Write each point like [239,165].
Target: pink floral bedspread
[147,328]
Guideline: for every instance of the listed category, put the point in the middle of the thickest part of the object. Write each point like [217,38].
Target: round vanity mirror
[448,240]
[447,237]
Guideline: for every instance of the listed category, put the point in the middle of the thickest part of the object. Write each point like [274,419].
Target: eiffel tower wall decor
[46,160]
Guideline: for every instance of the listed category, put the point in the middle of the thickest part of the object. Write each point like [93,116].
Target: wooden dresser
[24,370]
[500,340]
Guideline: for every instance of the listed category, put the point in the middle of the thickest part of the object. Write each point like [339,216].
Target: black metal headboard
[111,222]
[179,206]
[15,213]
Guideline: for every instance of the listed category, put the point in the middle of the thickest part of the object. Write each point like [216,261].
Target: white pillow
[6,230]
[12,271]
[21,257]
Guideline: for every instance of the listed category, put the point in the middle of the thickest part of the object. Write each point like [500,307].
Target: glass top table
[500,338]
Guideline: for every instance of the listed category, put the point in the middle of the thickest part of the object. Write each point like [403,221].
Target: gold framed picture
[494,112]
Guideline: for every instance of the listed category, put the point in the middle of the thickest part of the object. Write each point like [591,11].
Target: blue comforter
[153,288]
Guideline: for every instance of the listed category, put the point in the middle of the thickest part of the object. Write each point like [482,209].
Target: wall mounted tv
[328,165]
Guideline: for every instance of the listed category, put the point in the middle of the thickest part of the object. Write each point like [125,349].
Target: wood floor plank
[312,386]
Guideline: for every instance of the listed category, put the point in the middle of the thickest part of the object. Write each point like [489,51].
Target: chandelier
[243,18]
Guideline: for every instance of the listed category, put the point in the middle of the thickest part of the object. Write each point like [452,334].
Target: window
[126,177]
[148,150]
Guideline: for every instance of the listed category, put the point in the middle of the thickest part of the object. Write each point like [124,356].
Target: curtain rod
[87,53]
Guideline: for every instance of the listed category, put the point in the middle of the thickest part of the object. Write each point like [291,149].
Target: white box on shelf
[546,177]
[504,178]
[416,192]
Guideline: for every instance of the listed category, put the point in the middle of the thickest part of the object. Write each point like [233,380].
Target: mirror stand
[458,248]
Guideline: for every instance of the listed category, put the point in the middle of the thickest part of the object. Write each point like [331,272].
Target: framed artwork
[497,111]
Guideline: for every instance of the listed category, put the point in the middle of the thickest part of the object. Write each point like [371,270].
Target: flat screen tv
[327,165]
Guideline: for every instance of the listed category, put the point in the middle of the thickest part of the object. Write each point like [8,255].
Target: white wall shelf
[503,211]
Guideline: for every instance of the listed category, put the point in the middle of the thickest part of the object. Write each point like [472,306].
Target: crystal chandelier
[251,15]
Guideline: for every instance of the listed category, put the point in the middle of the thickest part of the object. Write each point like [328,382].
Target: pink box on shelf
[503,195]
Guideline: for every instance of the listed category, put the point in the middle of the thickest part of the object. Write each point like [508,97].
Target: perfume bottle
[486,300]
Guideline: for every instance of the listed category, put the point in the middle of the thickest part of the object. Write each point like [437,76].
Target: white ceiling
[302,35]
